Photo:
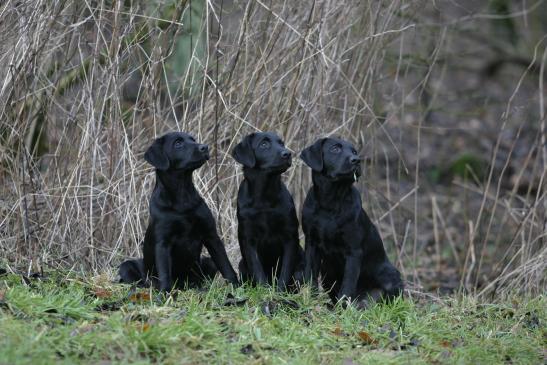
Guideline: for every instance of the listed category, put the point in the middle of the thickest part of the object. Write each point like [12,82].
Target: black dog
[180,221]
[267,222]
[341,242]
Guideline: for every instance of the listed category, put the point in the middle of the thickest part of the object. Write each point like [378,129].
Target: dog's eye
[178,143]
[353,151]
[264,144]
[335,149]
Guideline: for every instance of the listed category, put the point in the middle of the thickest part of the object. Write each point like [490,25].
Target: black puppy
[180,221]
[341,241]
[267,222]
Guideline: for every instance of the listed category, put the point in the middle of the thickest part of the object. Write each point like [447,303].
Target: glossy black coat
[267,221]
[180,221]
[342,244]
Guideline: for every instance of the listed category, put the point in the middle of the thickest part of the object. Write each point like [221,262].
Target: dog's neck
[178,185]
[263,184]
[331,194]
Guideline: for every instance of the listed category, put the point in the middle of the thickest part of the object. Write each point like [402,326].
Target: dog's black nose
[286,154]
[203,148]
[354,160]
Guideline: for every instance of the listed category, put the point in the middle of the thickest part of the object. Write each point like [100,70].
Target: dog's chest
[185,229]
[333,232]
[266,222]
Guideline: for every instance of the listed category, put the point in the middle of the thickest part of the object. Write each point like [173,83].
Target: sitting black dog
[267,222]
[180,221]
[341,241]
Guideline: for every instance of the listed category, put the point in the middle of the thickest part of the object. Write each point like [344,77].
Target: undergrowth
[69,319]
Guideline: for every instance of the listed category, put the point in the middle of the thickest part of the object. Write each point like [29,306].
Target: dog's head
[334,158]
[176,151]
[264,151]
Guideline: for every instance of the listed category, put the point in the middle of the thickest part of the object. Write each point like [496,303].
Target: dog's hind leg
[389,279]
[132,271]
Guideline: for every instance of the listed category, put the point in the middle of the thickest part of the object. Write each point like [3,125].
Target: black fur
[267,221]
[342,244]
[180,222]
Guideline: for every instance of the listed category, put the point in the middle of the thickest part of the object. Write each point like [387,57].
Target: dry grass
[83,92]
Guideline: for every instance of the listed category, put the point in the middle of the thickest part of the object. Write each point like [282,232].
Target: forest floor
[65,319]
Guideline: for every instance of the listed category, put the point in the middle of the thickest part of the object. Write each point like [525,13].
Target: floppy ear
[243,152]
[155,156]
[313,155]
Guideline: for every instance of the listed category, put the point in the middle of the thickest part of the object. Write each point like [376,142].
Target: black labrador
[267,221]
[180,221]
[342,244]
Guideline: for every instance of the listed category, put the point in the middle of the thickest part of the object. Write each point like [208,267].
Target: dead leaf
[2,295]
[338,332]
[445,343]
[366,338]
[102,293]
[145,327]
[139,297]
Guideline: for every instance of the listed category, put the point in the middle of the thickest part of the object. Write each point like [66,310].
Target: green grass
[69,320]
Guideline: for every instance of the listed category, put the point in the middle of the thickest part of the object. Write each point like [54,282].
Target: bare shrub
[85,86]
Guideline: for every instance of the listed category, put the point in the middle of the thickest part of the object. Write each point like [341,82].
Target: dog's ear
[313,155]
[155,155]
[243,152]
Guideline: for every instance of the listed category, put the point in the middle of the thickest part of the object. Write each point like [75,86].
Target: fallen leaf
[366,338]
[145,327]
[102,293]
[139,297]
[445,343]
[338,332]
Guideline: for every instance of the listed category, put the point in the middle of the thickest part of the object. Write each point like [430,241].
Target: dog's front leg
[253,263]
[352,270]
[163,265]
[311,269]
[287,265]
[220,258]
